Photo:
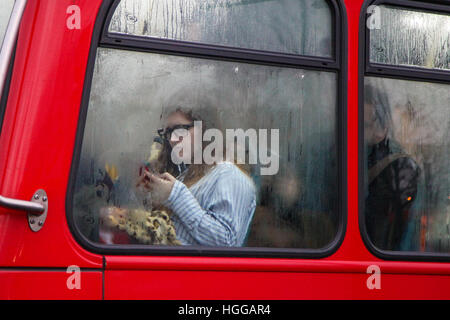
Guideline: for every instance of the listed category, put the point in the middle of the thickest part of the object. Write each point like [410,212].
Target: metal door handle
[36,208]
[15,204]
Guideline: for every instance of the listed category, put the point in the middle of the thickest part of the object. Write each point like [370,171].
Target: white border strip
[9,40]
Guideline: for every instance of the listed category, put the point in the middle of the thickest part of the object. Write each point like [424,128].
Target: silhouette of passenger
[392,175]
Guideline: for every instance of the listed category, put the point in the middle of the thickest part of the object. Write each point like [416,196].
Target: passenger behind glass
[212,204]
[392,175]
[276,216]
[282,220]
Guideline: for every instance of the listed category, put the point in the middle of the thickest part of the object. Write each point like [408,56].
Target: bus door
[41,68]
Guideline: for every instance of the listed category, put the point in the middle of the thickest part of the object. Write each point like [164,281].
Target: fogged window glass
[271,133]
[407,135]
[412,38]
[289,26]
[5,12]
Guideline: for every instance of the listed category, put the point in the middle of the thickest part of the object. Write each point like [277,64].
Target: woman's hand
[159,186]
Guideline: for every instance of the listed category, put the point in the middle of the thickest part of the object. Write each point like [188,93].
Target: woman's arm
[228,209]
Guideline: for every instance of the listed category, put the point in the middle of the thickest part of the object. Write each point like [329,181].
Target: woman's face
[179,135]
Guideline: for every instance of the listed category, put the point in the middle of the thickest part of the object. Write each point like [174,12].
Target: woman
[211,205]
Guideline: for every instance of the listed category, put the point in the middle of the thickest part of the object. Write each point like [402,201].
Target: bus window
[5,12]
[407,127]
[288,26]
[407,137]
[411,38]
[184,151]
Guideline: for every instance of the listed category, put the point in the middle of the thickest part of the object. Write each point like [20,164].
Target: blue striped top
[215,211]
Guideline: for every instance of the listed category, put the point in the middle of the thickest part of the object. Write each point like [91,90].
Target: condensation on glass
[405,37]
[407,157]
[6,8]
[296,208]
[289,26]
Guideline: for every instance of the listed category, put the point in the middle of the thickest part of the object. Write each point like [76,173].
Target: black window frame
[410,73]
[337,64]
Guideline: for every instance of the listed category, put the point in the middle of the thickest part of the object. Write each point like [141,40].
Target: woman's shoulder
[231,171]
[227,167]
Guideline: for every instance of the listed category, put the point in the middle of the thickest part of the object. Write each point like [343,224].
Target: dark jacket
[393,178]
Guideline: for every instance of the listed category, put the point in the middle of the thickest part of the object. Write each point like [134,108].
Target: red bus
[340,109]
